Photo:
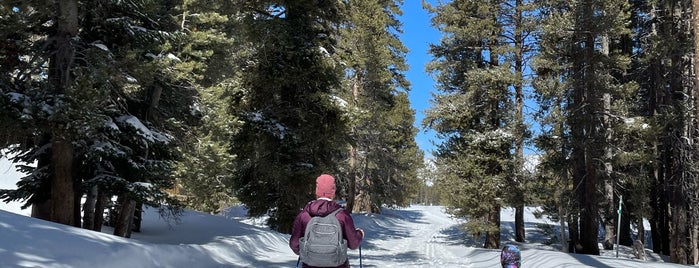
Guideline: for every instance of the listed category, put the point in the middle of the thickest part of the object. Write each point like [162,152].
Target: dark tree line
[126,104]
[87,89]
[616,89]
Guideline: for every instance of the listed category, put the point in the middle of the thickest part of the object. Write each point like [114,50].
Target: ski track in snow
[418,237]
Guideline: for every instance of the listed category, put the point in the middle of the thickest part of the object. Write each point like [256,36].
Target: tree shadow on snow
[382,259]
[387,226]
[536,233]
[455,235]
[589,260]
[547,234]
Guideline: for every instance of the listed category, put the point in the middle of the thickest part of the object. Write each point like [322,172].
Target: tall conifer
[473,114]
[579,78]
[213,37]
[668,92]
[123,81]
[382,153]
[291,122]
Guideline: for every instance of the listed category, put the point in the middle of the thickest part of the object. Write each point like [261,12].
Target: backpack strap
[334,213]
[339,224]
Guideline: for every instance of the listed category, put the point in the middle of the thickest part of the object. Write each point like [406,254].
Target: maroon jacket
[322,207]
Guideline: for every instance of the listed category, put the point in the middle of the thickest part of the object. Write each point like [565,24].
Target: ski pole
[298,261]
[360,256]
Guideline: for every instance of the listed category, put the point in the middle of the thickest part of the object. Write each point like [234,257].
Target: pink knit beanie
[325,186]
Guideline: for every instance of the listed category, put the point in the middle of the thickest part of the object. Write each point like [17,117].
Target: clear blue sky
[417,35]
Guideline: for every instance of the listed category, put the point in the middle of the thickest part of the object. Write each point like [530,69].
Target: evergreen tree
[554,168]
[518,18]
[579,78]
[291,123]
[428,193]
[693,257]
[382,154]
[666,43]
[652,83]
[205,170]
[398,159]
[119,88]
[473,114]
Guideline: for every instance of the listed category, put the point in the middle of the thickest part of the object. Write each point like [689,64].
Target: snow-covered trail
[419,236]
[416,236]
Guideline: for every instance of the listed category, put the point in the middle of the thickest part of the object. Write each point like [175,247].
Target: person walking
[302,236]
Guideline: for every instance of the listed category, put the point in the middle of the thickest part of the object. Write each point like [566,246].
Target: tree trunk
[492,236]
[610,213]
[695,27]
[100,204]
[584,181]
[363,199]
[587,150]
[678,235]
[609,226]
[353,161]
[562,216]
[589,221]
[77,198]
[519,121]
[62,192]
[89,208]
[659,222]
[41,201]
[655,203]
[625,231]
[641,230]
[694,219]
[655,227]
[125,218]
[137,217]
[154,102]
[660,104]
[42,210]
[352,179]
[519,223]
[574,234]
[695,245]
[564,213]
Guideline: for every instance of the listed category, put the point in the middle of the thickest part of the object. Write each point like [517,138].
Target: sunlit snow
[416,236]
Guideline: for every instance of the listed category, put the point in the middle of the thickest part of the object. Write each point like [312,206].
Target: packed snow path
[419,236]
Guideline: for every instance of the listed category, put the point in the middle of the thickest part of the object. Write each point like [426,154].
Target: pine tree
[518,18]
[291,123]
[428,194]
[554,168]
[694,199]
[205,170]
[656,140]
[25,93]
[149,106]
[121,84]
[398,158]
[579,78]
[473,114]
[382,154]
[668,89]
